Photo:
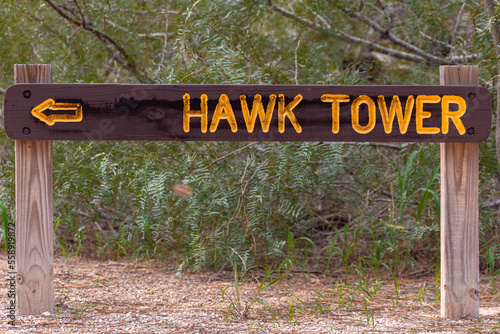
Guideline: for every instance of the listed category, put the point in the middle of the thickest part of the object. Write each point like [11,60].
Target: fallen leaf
[182,190]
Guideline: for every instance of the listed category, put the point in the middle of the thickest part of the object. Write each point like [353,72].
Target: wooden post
[459,215]
[34,211]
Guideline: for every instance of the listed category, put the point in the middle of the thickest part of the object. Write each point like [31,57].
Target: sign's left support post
[34,211]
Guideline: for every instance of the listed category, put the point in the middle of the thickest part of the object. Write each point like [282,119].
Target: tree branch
[453,36]
[223,157]
[495,204]
[418,54]
[160,11]
[396,40]
[471,56]
[105,38]
[495,33]
[153,34]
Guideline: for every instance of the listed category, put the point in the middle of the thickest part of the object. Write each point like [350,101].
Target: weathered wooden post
[459,214]
[34,210]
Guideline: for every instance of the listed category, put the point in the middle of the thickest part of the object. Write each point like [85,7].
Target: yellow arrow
[52,119]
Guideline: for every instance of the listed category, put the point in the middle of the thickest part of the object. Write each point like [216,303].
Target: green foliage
[350,207]
[241,303]
[4,230]
[76,311]
[239,205]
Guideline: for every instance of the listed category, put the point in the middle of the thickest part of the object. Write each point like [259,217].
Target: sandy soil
[127,297]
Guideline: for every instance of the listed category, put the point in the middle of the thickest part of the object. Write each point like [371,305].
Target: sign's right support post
[459,214]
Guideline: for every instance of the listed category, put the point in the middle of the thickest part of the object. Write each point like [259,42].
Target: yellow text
[224,111]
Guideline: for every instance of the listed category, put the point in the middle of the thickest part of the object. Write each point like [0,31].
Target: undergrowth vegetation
[320,206]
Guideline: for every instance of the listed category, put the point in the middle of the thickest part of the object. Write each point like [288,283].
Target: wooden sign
[248,113]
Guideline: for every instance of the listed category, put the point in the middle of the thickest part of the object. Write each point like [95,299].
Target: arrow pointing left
[53,118]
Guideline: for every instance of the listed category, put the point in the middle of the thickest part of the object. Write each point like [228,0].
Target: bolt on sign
[248,113]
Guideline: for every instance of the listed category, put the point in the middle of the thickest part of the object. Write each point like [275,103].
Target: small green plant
[396,285]
[234,306]
[62,245]
[56,314]
[345,296]
[100,247]
[239,282]
[369,315]
[403,181]
[4,231]
[437,288]
[78,235]
[420,296]
[377,256]
[274,313]
[369,289]
[493,281]
[347,247]
[291,245]
[59,239]
[490,257]
[77,311]
[240,303]
[322,305]
[292,309]
[122,242]
[427,193]
[159,325]
[103,281]
[398,229]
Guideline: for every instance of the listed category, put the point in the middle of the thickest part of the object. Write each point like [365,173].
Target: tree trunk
[495,33]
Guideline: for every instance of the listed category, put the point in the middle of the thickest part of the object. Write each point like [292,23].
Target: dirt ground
[127,297]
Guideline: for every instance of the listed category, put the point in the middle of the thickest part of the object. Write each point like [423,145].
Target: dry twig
[416,54]
[102,36]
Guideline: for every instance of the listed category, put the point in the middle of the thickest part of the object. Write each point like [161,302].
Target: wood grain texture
[155,112]
[459,215]
[34,213]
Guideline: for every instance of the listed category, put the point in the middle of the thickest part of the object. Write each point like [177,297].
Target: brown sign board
[248,113]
